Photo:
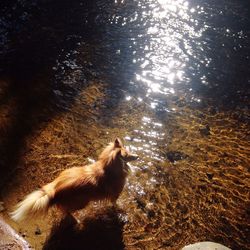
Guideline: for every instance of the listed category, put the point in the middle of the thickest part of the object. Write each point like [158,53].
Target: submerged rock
[176,156]
[213,110]
[140,203]
[205,131]
[210,176]
[38,231]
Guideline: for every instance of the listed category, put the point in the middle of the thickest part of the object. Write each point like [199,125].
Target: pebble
[140,204]
[210,176]
[38,231]
[213,110]
[175,156]
[206,245]
[23,234]
[205,131]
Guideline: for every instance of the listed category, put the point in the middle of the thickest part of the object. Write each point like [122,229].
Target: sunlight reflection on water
[172,27]
[173,23]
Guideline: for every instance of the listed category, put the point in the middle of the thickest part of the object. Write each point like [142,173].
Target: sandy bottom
[190,184]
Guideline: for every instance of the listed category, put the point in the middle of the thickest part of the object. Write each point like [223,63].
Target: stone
[176,156]
[210,176]
[9,238]
[38,231]
[206,245]
[205,131]
[213,110]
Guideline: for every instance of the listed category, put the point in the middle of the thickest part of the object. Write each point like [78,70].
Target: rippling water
[169,77]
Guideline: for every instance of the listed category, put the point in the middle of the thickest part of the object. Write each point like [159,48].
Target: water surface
[169,77]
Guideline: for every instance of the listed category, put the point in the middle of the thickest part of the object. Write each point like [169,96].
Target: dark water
[169,77]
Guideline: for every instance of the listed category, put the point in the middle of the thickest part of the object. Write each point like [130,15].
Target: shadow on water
[101,231]
[27,106]
[37,35]
[26,91]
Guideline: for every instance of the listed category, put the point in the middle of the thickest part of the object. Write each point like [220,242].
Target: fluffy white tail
[34,204]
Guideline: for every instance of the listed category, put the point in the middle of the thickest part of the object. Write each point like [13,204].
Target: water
[169,77]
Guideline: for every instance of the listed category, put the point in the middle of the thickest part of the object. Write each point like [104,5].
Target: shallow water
[169,77]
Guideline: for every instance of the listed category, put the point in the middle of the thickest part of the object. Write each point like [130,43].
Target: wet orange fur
[74,188]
